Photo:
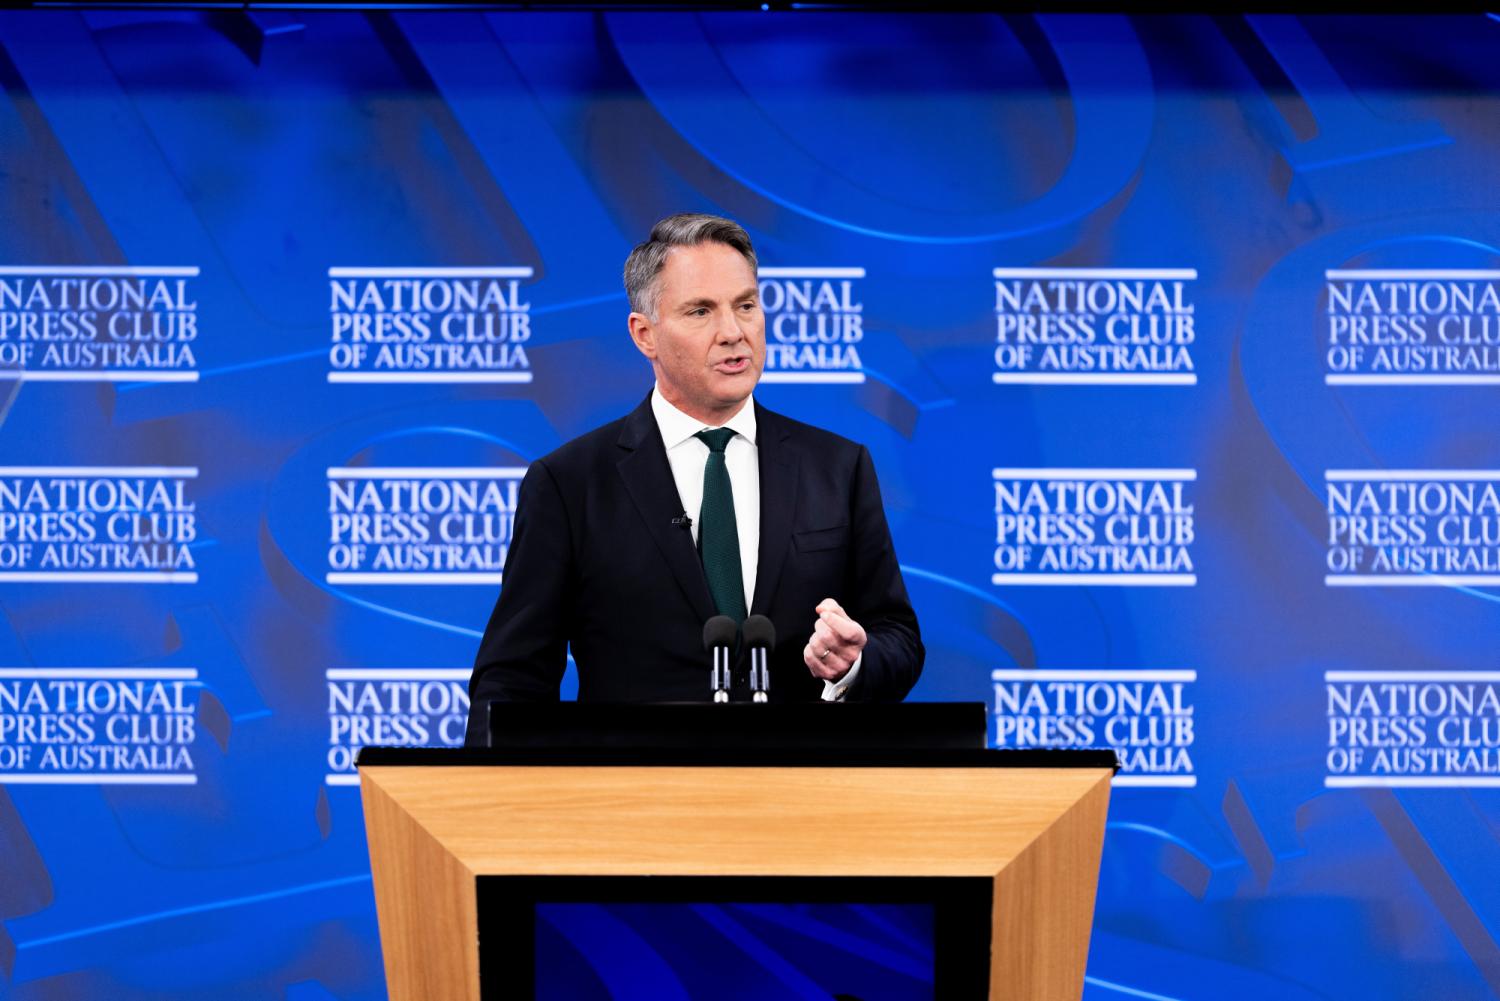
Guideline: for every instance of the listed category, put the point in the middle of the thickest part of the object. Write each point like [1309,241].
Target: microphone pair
[759,633]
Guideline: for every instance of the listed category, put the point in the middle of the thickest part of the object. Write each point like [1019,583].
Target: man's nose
[729,328]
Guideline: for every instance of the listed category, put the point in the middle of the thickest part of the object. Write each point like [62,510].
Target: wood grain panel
[425,899]
[1037,831]
[1044,906]
[735,821]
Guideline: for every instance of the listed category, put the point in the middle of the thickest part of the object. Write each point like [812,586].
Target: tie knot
[717,439]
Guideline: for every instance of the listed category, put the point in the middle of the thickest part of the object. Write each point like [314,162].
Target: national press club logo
[1413,527]
[1145,716]
[1412,327]
[421,525]
[1095,326]
[814,324]
[429,325]
[98,726]
[67,323]
[98,524]
[1108,527]
[1413,729]
[392,707]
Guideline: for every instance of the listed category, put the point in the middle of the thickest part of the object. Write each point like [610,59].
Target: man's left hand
[836,642]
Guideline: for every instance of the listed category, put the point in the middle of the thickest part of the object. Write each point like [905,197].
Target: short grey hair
[686,229]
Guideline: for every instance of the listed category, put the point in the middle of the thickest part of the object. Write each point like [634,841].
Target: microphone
[760,637]
[718,638]
[683,521]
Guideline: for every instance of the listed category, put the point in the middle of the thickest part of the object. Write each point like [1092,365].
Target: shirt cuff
[834,691]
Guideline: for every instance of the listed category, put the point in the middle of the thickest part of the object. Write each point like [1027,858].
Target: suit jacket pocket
[819,539]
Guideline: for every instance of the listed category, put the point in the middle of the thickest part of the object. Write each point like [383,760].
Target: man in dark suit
[699,502]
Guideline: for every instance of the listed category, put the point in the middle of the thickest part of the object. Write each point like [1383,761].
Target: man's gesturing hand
[836,642]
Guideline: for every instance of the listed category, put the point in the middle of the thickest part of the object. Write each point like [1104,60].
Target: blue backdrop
[1174,340]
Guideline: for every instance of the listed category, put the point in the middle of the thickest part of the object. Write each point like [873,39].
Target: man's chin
[729,396]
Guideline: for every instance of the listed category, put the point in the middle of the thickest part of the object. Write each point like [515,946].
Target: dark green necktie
[718,535]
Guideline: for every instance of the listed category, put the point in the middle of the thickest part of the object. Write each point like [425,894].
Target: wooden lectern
[1025,826]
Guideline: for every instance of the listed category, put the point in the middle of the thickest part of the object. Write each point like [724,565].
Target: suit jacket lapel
[778,492]
[648,478]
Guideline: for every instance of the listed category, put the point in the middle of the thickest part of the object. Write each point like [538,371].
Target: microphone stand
[760,675]
[720,679]
[760,637]
[718,639]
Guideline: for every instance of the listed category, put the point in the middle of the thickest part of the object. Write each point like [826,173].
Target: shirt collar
[677,427]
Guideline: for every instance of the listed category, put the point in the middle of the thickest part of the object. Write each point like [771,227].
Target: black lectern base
[849,726]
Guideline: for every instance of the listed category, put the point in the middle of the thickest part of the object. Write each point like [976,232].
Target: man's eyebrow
[750,293]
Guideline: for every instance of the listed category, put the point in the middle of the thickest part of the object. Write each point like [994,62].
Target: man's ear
[643,333]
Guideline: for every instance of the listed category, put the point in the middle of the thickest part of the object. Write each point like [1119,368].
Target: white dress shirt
[687,455]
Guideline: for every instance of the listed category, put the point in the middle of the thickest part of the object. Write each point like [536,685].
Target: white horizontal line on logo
[490,272]
[1080,473]
[342,779]
[1020,674]
[1106,579]
[810,273]
[397,674]
[1377,475]
[1418,274]
[147,472]
[423,578]
[426,472]
[104,673]
[86,779]
[1159,274]
[1094,378]
[428,377]
[805,378]
[98,577]
[1411,675]
[1156,781]
[99,270]
[1411,782]
[1411,580]
[1360,379]
[99,375]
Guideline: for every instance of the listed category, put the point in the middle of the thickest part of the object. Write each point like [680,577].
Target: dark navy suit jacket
[596,563]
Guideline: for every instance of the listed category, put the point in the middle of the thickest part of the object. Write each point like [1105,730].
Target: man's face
[708,342]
